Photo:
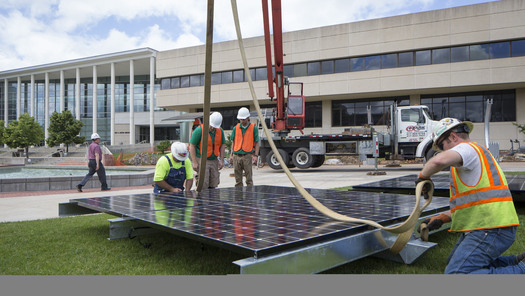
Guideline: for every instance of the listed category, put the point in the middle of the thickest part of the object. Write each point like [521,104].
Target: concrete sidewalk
[21,206]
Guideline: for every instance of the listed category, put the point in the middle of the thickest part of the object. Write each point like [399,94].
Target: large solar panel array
[441,184]
[259,220]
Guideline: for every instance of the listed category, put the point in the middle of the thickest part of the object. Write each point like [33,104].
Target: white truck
[407,136]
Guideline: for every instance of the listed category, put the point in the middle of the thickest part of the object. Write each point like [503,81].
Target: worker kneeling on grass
[481,205]
[173,172]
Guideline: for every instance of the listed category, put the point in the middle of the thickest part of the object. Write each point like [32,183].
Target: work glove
[427,187]
[435,222]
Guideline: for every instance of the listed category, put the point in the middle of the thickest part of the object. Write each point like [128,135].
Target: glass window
[422,57]
[327,67]
[479,52]
[313,114]
[252,75]
[314,68]
[238,76]
[410,115]
[406,59]
[195,80]
[518,48]
[185,81]
[441,55]
[342,65]
[261,74]
[474,108]
[499,50]
[288,70]
[389,61]
[226,77]
[299,70]
[165,83]
[175,82]
[215,78]
[295,105]
[372,62]
[357,64]
[459,54]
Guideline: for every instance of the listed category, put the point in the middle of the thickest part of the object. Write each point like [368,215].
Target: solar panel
[441,184]
[259,220]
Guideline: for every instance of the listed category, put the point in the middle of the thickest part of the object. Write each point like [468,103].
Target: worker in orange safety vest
[245,147]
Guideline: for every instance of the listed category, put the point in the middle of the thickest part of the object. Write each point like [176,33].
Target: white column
[46,106]
[95,126]
[18,96]
[112,103]
[6,105]
[62,91]
[77,94]
[132,102]
[32,108]
[151,101]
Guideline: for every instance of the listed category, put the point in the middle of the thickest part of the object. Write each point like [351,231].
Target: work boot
[521,257]
[79,188]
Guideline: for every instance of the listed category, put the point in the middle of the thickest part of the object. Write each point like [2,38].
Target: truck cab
[413,130]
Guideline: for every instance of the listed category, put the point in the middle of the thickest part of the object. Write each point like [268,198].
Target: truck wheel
[302,158]
[272,161]
[430,153]
[318,161]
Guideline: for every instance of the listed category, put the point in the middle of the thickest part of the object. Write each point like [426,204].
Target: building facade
[123,96]
[452,60]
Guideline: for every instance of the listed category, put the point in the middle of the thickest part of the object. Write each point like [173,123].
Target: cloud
[35,32]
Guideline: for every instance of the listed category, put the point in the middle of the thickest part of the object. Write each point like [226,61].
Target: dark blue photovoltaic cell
[259,219]
[441,182]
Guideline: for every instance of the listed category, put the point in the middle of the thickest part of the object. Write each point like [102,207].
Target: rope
[207,95]
[404,230]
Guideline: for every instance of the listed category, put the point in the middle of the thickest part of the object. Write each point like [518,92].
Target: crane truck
[408,134]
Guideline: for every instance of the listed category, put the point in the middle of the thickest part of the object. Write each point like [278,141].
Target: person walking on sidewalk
[481,205]
[95,164]
[245,139]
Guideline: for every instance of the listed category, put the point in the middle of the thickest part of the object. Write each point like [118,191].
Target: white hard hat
[179,151]
[216,119]
[243,113]
[446,124]
[95,136]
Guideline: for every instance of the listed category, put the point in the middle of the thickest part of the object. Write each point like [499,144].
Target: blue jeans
[478,252]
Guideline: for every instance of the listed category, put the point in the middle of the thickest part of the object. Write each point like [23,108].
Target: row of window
[474,52]
[463,106]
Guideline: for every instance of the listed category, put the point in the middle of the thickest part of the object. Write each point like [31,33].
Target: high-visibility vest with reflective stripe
[488,204]
[211,147]
[244,142]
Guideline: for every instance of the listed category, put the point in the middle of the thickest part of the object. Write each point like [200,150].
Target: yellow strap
[405,229]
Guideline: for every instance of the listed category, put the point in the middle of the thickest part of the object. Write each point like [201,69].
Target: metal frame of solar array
[258,220]
[441,184]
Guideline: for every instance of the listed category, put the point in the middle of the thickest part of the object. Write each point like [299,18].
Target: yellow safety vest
[488,204]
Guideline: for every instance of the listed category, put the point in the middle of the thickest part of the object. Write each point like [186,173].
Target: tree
[2,129]
[521,127]
[164,145]
[23,133]
[64,129]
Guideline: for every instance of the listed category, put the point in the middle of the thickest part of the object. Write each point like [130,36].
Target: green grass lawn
[79,246]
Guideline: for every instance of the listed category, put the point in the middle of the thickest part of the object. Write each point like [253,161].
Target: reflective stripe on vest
[244,142]
[217,141]
[488,204]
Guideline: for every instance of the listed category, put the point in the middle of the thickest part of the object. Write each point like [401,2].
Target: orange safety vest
[244,142]
[218,142]
[488,204]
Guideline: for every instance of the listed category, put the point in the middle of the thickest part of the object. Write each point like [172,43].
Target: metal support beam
[123,227]
[327,255]
[72,209]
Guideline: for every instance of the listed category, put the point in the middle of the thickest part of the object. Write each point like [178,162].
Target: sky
[37,32]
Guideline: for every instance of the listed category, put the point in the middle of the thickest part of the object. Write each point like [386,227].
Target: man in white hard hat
[215,151]
[481,205]
[95,164]
[245,147]
[173,172]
